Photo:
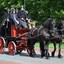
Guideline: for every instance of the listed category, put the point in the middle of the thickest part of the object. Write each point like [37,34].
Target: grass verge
[50,45]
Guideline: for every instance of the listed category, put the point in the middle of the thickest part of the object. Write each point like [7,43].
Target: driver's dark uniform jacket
[22,14]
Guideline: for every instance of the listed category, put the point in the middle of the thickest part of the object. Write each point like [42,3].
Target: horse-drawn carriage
[17,40]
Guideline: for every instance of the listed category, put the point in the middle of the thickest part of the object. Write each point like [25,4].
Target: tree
[39,10]
[6,4]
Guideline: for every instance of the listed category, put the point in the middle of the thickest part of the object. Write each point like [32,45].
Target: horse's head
[52,22]
[49,23]
[62,22]
[62,28]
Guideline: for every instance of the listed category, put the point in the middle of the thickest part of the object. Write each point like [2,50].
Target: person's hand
[17,22]
[7,19]
[3,24]
[22,19]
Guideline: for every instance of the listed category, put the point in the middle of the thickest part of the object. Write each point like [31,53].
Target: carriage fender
[3,41]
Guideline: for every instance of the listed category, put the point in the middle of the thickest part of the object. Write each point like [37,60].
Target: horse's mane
[59,25]
[36,28]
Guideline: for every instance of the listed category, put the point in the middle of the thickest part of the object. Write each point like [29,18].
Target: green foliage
[39,10]
[37,45]
[10,3]
[42,9]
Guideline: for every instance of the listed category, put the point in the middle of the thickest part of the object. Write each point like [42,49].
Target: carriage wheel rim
[1,45]
[12,48]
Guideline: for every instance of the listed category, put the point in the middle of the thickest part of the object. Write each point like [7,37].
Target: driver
[22,16]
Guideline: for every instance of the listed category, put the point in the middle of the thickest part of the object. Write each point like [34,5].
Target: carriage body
[8,38]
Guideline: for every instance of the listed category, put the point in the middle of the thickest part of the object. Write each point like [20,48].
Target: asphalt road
[24,58]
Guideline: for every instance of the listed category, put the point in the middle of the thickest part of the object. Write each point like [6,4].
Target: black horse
[38,34]
[50,25]
[60,27]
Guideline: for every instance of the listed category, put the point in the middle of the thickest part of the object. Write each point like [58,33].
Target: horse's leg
[32,51]
[42,49]
[29,47]
[59,54]
[46,50]
[53,53]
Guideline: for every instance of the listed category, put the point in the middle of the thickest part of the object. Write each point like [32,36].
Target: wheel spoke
[12,48]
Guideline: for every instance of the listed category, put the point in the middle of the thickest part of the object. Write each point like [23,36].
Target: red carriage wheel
[2,43]
[12,48]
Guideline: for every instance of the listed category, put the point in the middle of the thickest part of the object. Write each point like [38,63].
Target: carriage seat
[17,32]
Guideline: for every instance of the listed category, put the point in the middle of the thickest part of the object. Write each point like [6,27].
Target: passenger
[6,16]
[22,16]
[8,11]
[14,18]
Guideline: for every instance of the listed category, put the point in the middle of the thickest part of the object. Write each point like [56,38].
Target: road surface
[24,58]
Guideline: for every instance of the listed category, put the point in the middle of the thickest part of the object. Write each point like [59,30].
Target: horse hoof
[52,54]
[42,55]
[48,55]
[30,55]
[34,54]
[60,56]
